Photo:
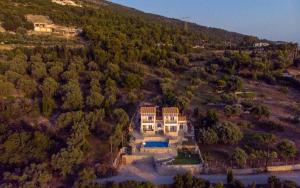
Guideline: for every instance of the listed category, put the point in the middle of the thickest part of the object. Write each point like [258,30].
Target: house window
[150,128]
[173,129]
[150,118]
[172,118]
[181,126]
[159,125]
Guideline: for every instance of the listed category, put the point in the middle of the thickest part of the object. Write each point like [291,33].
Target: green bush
[286,149]
[208,136]
[240,157]
[229,133]
[231,110]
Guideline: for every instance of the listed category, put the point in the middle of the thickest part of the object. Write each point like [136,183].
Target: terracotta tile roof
[170,110]
[148,110]
[181,118]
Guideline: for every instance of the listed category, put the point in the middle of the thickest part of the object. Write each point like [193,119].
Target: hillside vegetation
[65,111]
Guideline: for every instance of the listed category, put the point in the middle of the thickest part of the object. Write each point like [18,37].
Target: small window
[173,129]
[181,127]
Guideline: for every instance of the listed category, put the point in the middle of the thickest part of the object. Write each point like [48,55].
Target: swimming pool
[156,144]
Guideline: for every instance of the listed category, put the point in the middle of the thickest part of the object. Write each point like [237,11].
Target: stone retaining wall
[157,150]
[247,171]
[178,169]
[129,159]
[283,168]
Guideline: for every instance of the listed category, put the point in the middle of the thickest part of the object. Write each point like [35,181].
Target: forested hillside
[65,111]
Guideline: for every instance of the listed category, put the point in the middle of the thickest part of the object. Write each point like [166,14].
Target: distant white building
[66,2]
[169,122]
[261,44]
[198,47]
[43,24]
[40,23]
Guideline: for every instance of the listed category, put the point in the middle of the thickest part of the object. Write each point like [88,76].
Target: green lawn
[186,158]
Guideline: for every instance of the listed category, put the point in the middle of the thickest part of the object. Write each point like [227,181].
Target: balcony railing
[171,121]
[147,121]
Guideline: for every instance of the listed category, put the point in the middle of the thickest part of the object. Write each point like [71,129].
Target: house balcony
[147,121]
[171,121]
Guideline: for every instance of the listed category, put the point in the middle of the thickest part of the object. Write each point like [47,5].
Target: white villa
[169,122]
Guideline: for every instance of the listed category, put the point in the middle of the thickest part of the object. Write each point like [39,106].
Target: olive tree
[229,133]
[287,149]
[240,157]
[207,136]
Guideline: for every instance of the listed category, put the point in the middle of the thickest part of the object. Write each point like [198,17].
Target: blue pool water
[156,144]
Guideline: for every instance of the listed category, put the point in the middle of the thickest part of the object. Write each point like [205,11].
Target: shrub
[247,95]
[211,119]
[287,149]
[232,110]
[208,136]
[133,81]
[247,104]
[289,184]
[260,110]
[238,184]
[7,88]
[229,98]
[274,182]
[187,180]
[230,177]
[240,157]
[229,133]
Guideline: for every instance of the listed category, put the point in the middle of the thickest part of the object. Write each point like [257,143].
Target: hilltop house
[169,122]
[66,2]
[42,24]
[261,44]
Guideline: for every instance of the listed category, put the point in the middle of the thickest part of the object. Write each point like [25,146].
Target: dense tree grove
[212,131]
